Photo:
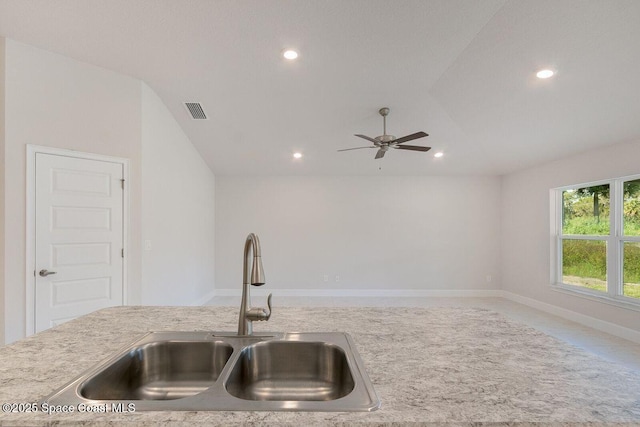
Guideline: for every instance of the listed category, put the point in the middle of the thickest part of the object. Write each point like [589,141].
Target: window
[596,239]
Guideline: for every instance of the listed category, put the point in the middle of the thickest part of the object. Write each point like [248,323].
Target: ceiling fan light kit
[384,141]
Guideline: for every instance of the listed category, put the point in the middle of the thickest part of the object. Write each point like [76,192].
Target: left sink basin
[163,370]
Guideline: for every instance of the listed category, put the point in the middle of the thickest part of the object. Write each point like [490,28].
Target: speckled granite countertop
[461,366]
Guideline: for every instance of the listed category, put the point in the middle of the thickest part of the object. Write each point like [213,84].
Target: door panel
[80,218]
[80,182]
[81,254]
[79,236]
[74,291]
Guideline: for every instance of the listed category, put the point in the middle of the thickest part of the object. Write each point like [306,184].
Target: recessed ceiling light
[290,54]
[438,154]
[297,155]
[544,74]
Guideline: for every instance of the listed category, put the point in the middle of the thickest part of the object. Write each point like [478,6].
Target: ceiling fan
[384,141]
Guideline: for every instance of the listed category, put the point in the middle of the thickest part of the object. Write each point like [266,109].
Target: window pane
[585,211]
[631,207]
[631,269]
[584,263]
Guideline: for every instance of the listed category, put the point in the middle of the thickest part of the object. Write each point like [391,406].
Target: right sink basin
[291,370]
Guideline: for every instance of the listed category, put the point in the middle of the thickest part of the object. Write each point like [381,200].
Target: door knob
[45,273]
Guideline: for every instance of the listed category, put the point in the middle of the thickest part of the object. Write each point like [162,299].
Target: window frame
[614,244]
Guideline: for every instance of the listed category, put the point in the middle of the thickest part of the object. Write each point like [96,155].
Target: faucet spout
[254,277]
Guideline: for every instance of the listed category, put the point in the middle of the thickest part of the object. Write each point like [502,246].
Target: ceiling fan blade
[412,147]
[409,138]
[357,148]
[368,138]
[380,153]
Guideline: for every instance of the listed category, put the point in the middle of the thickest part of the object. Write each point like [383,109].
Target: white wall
[2,148]
[375,233]
[177,212]
[526,223]
[55,101]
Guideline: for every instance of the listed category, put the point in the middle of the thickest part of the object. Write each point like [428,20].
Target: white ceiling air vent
[196,111]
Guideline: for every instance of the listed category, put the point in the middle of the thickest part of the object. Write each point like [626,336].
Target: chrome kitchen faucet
[254,277]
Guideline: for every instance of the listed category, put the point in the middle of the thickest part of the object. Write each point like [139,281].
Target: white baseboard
[592,322]
[205,299]
[363,293]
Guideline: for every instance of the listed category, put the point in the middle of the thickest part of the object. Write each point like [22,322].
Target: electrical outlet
[326,277]
[337,278]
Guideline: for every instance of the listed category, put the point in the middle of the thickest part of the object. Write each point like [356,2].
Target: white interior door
[78,237]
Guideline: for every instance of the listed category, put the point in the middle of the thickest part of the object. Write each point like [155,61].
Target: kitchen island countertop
[428,365]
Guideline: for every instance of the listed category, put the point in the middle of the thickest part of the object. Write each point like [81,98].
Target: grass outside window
[584,263]
[631,270]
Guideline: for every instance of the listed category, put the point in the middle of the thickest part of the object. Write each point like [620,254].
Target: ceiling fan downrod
[384,111]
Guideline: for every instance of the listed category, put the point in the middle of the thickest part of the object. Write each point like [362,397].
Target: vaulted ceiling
[461,70]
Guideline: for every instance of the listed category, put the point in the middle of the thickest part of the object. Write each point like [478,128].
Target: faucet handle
[257,313]
[268,305]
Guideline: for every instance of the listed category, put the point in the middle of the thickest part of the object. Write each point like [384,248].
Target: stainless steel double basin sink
[204,371]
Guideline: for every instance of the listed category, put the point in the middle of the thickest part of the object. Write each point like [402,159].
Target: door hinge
[122,183]
[122,253]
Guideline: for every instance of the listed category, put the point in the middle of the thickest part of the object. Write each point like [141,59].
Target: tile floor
[607,346]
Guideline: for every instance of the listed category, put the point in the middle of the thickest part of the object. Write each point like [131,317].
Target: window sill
[593,296]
